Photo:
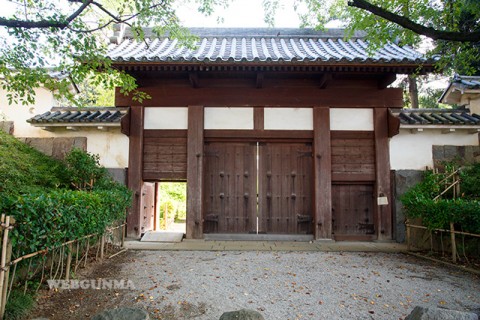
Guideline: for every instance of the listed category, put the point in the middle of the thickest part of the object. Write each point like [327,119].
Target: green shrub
[45,220]
[464,211]
[470,181]
[37,191]
[84,169]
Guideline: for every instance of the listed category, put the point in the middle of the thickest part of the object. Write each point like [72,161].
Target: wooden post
[195,172]
[165,215]
[123,236]
[86,253]
[408,237]
[102,246]
[7,278]
[135,170]
[454,244]
[69,261]
[382,166]
[6,221]
[322,166]
[5,260]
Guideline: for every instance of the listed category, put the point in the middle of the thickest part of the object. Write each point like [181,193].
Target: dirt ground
[84,303]
[281,285]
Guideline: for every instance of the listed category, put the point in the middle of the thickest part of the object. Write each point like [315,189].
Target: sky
[240,13]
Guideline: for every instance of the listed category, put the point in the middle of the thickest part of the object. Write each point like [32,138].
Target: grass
[19,305]
[24,169]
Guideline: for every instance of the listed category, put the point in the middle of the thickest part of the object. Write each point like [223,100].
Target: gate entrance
[258,188]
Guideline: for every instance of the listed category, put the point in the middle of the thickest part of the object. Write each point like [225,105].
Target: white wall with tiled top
[410,151]
[111,145]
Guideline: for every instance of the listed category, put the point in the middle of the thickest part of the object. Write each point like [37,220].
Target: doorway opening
[171,206]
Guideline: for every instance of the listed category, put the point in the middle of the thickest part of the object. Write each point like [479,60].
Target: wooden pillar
[322,165]
[195,172]
[135,170]
[383,186]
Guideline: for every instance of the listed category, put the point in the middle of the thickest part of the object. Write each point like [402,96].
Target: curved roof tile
[254,45]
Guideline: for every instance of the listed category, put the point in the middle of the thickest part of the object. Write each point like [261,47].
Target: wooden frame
[322,167]
[383,185]
[195,172]
[135,169]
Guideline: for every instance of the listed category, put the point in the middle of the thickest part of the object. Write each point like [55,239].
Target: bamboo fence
[56,263]
[454,186]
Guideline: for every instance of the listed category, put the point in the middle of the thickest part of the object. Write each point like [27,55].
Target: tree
[53,42]
[453,26]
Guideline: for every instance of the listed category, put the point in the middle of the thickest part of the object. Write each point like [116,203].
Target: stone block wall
[461,154]
[7,126]
[56,147]
[403,180]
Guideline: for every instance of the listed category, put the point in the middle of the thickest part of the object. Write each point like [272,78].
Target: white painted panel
[19,113]
[166,118]
[414,151]
[350,119]
[288,119]
[229,118]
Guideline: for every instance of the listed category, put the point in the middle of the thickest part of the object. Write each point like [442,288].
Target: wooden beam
[386,80]
[258,118]
[259,134]
[393,125]
[260,77]
[170,133]
[135,170]
[125,124]
[322,166]
[383,185]
[195,172]
[166,95]
[193,77]
[325,80]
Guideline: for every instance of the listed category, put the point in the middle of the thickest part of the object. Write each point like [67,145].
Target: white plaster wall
[475,104]
[288,119]
[166,118]
[414,151]
[19,114]
[351,119]
[229,118]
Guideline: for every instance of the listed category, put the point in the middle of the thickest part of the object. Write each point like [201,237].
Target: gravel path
[293,285]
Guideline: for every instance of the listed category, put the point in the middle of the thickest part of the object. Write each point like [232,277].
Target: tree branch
[415,27]
[41,24]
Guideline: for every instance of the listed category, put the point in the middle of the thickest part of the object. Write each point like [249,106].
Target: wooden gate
[285,185]
[352,212]
[252,187]
[230,196]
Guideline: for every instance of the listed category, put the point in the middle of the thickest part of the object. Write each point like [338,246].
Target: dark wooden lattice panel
[285,188]
[353,159]
[352,212]
[230,188]
[165,159]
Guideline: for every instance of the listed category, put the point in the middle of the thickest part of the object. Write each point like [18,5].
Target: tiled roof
[417,117]
[262,45]
[459,86]
[108,116]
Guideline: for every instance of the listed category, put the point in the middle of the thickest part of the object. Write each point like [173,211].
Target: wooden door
[352,212]
[230,197]
[148,207]
[285,188]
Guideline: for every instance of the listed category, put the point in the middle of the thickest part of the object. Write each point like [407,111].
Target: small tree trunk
[413,91]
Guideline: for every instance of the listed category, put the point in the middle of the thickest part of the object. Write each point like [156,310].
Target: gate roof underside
[264,48]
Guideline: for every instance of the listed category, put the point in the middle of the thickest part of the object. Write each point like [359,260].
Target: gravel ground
[293,285]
